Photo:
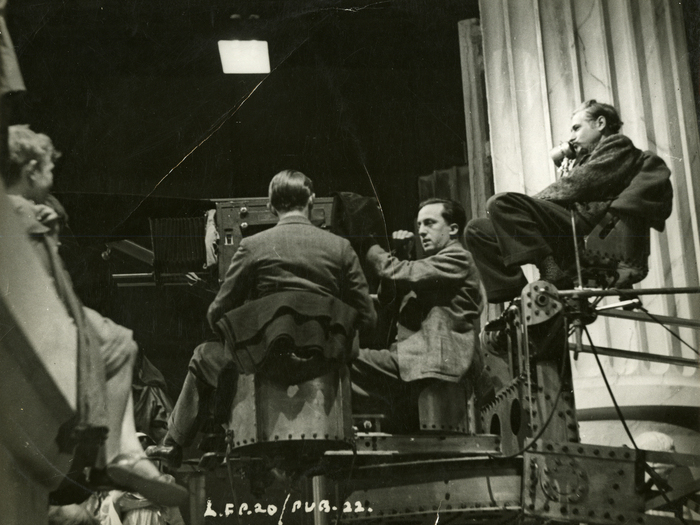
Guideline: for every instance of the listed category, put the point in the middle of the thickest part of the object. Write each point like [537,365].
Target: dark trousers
[211,380]
[377,388]
[208,390]
[520,230]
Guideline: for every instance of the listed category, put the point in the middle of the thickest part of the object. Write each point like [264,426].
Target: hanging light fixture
[244,56]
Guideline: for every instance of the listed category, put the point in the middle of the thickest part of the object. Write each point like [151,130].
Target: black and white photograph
[349,262]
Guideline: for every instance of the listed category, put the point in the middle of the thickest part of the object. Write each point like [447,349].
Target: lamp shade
[244,56]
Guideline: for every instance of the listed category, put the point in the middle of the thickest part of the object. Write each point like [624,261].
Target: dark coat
[616,175]
[305,295]
[290,336]
[294,255]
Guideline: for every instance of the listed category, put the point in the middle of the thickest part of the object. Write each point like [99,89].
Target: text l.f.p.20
[297,506]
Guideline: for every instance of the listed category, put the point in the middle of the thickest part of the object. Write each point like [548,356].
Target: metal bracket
[582,483]
[539,303]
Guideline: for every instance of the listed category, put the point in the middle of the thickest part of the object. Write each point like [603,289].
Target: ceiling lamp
[244,57]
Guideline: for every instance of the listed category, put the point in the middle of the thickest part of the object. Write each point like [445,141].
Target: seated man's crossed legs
[126,462]
[522,230]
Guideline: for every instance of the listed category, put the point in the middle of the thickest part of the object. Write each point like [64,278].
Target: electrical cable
[653,318]
[607,385]
[647,467]
[536,436]
[229,470]
[546,423]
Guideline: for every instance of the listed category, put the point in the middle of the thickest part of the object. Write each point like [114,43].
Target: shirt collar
[294,219]
[451,244]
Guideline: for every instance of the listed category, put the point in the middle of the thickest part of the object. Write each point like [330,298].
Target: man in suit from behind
[292,256]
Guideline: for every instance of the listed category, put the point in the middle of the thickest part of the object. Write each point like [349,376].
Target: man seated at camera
[293,256]
[609,174]
[438,299]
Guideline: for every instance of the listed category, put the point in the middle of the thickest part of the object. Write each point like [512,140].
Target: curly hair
[24,146]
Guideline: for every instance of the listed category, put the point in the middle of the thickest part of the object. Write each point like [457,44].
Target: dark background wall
[357,98]
[363,97]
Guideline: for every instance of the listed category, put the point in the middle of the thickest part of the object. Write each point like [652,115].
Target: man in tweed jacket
[439,297]
[609,174]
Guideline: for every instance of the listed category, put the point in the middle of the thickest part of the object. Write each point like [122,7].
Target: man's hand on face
[402,243]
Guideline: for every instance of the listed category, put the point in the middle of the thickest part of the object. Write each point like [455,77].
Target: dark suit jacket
[290,337]
[441,299]
[649,195]
[294,255]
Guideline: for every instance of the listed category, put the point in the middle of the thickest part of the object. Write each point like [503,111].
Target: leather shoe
[172,454]
[132,471]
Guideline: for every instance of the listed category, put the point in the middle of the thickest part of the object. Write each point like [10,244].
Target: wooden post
[480,173]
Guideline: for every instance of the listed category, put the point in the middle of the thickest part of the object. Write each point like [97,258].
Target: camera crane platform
[514,456]
[529,468]
[537,470]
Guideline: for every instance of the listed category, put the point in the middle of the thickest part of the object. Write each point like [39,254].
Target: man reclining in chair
[293,262]
[609,174]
